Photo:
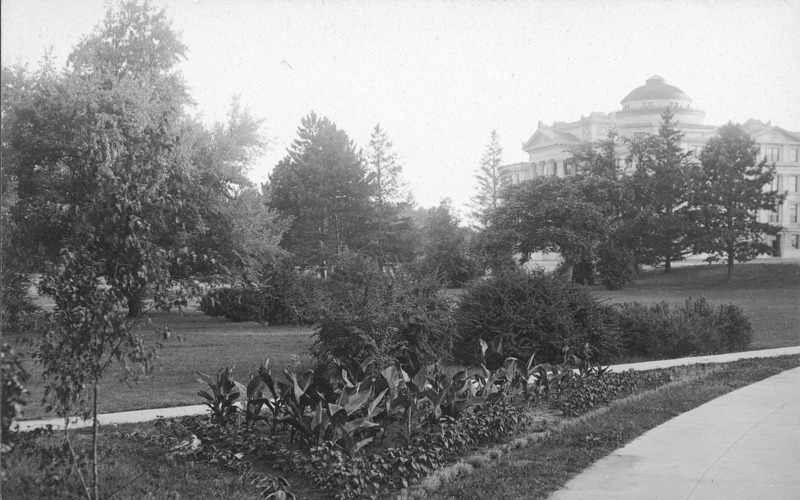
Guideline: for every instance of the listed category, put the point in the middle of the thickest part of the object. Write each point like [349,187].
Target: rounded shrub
[365,313]
[660,331]
[532,311]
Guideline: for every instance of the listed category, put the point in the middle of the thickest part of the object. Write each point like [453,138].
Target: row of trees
[670,205]
[124,201]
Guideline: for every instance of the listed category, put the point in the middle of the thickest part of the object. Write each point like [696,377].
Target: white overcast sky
[440,75]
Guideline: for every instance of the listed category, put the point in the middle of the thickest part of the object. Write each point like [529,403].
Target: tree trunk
[135,305]
[136,302]
[95,430]
[568,272]
[667,265]
[730,266]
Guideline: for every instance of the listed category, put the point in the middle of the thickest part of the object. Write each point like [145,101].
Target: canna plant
[224,393]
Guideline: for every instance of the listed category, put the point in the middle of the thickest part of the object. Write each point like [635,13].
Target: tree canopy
[390,228]
[547,215]
[661,190]
[729,191]
[322,185]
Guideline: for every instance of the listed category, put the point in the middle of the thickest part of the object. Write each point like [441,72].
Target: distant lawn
[768,293]
[198,342]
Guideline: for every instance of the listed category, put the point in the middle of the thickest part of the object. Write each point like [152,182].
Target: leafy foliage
[225,392]
[280,297]
[695,328]
[546,215]
[363,313]
[445,249]
[532,312]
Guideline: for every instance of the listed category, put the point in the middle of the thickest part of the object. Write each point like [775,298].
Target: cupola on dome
[656,89]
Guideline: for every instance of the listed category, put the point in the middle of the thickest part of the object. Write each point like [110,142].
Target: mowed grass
[197,342]
[769,294]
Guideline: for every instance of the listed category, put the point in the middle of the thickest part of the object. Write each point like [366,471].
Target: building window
[792,181]
[773,154]
[794,154]
[639,135]
[775,185]
[773,215]
[796,241]
[696,149]
[793,214]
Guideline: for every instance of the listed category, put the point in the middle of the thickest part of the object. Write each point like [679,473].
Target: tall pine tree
[322,184]
[390,198]
[489,181]
[660,184]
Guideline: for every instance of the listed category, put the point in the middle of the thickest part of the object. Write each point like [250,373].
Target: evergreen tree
[390,198]
[728,194]
[660,184]
[322,185]
[489,181]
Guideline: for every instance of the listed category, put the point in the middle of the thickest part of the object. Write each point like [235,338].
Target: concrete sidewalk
[744,445]
[136,416]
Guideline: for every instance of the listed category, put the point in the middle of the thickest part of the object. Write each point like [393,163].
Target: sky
[440,75]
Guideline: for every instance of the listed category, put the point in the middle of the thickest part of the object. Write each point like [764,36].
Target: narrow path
[744,445]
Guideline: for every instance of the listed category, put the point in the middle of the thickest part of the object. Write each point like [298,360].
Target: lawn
[768,293]
[197,342]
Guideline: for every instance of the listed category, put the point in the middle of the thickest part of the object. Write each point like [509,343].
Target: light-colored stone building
[549,148]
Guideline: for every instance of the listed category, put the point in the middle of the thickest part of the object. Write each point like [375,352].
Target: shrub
[363,313]
[236,304]
[616,266]
[694,328]
[281,297]
[532,312]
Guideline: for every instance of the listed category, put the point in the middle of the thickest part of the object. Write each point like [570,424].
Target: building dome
[656,89]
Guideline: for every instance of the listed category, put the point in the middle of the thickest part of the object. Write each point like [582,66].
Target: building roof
[656,88]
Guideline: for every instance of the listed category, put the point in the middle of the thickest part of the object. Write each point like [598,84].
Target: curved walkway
[744,445]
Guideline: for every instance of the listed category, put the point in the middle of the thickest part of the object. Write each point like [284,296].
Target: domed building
[549,148]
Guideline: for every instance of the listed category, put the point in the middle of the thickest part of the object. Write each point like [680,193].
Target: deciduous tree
[548,215]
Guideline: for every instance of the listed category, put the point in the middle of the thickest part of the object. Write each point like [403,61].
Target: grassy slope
[768,293]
